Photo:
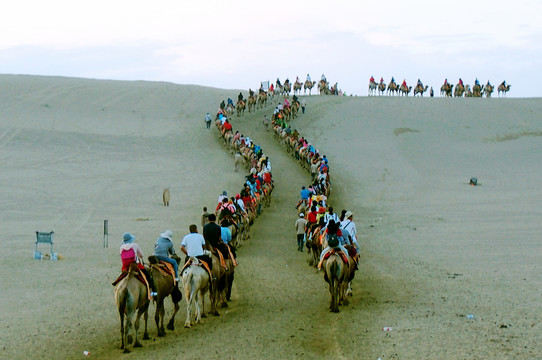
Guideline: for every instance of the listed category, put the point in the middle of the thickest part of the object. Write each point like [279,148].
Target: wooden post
[106,233]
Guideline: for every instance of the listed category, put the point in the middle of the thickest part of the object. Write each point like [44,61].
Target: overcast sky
[237,44]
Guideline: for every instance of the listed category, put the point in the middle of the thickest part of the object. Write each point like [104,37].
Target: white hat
[348,214]
[301,215]
[167,235]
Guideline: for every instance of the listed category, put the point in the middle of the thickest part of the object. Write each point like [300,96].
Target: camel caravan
[330,240]
[446,90]
[207,270]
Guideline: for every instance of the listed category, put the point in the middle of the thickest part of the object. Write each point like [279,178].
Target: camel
[477,90]
[240,107]
[446,90]
[196,283]
[488,90]
[459,90]
[381,88]
[468,92]
[336,275]
[131,295]
[372,88]
[393,88]
[405,90]
[251,102]
[164,287]
[420,90]
[295,109]
[230,110]
[323,87]
[503,89]
[222,280]
[262,100]
[287,88]
[165,197]
[314,246]
[308,85]
[297,87]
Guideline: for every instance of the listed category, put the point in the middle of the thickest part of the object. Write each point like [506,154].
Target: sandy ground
[76,152]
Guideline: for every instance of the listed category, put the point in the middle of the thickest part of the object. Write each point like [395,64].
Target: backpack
[128,255]
[332,240]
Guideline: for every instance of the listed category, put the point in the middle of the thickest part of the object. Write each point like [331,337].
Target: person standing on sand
[300,226]
[303,106]
[208,120]
[204,217]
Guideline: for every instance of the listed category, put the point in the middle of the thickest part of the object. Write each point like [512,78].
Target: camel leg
[136,328]
[121,311]
[171,324]
[146,318]
[187,323]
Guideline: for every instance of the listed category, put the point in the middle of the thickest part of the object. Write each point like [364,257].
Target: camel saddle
[338,252]
[165,269]
[201,263]
[139,276]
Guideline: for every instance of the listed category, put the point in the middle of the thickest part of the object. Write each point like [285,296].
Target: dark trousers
[300,238]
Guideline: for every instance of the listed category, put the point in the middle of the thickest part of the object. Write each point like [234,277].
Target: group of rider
[420,84]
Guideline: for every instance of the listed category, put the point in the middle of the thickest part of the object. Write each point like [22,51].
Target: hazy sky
[237,44]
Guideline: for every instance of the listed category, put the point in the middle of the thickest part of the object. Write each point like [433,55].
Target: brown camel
[459,90]
[262,100]
[221,284]
[131,296]
[405,90]
[323,87]
[381,88]
[392,88]
[165,197]
[503,89]
[477,90]
[164,287]
[251,103]
[336,275]
[446,90]
[240,107]
[308,85]
[297,87]
[420,90]
[287,88]
[196,283]
[488,90]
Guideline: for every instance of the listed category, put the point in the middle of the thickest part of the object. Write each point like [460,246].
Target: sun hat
[321,210]
[224,192]
[301,215]
[167,234]
[348,214]
[127,238]
[237,196]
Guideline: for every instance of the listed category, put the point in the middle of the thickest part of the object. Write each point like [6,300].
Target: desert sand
[76,152]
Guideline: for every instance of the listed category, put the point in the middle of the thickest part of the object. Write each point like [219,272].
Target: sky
[237,44]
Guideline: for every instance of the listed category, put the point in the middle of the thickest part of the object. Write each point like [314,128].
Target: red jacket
[312,217]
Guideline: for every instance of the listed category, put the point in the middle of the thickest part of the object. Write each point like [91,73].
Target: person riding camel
[193,246]
[392,80]
[225,234]
[297,79]
[323,78]
[404,83]
[305,195]
[230,101]
[271,88]
[222,105]
[332,230]
[460,82]
[445,81]
[250,93]
[240,97]
[295,99]
[372,79]
[278,82]
[130,252]
[419,84]
[261,90]
[225,212]
[286,103]
[476,82]
[309,78]
[163,247]
[382,80]
[213,239]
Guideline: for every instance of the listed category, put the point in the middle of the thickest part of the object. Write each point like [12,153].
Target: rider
[271,88]
[192,245]
[392,80]
[308,78]
[213,238]
[250,92]
[476,82]
[163,247]
[278,82]
[323,78]
[460,82]
[332,229]
[261,89]
[240,96]
[381,80]
[420,84]
[130,252]
[404,83]
[297,79]
[372,79]
[230,101]
[445,81]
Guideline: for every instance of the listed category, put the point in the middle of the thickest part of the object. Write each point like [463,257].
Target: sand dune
[76,152]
